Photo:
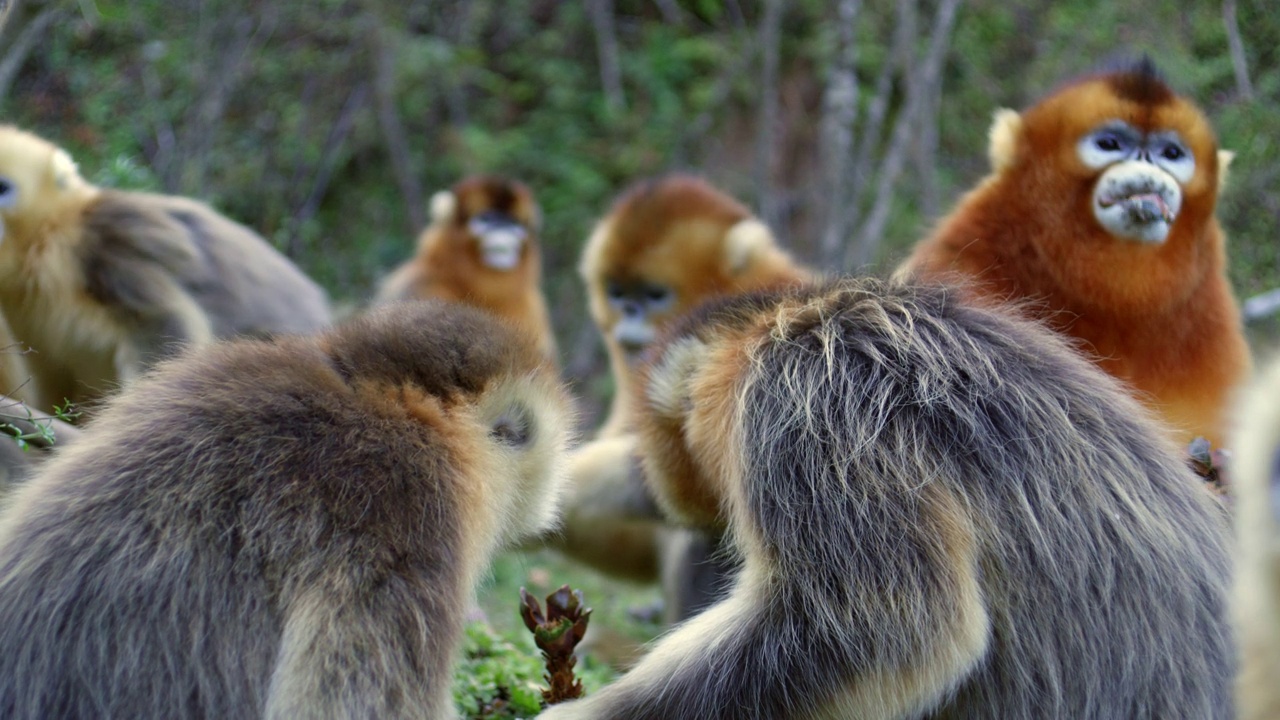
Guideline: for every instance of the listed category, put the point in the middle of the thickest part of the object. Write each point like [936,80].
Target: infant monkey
[281,528]
[943,511]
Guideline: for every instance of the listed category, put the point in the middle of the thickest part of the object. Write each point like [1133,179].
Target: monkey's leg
[697,571]
[356,646]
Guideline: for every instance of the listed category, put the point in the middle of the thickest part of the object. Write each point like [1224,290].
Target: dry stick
[557,634]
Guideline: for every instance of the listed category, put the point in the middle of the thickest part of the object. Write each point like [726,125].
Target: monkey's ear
[744,241]
[1002,139]
[667,384]
[444,206]
[63,170]
[1224,162]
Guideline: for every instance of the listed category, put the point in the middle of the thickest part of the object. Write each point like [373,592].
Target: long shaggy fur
[280,528]
[1161,317]
[942,511]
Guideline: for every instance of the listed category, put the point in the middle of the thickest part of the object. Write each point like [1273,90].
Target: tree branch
[840,112]
[928,75]
[766,142]
[1244,88]
[20,48]
[601,12]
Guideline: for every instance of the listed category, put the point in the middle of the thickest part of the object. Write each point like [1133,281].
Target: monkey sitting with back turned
[102,283]
[943,511]
[281,528]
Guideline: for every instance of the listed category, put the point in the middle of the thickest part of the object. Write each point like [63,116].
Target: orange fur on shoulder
[450,261]
[1159,315]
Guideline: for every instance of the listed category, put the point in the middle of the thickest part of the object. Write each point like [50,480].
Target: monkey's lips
[1141,207]
[1135,200]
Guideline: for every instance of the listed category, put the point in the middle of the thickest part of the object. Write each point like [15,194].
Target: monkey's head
[666,245]
[38,182]
[1120,152]
[481,388]
[493,218]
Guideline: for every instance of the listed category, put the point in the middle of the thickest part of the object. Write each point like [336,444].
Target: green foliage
[496,679]
[501,675]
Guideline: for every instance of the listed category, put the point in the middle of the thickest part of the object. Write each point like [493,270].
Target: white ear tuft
[744,241]
[64,170]
[1224,162]
[1002,148]
[443,207]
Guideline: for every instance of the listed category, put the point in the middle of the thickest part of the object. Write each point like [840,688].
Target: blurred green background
[849,125]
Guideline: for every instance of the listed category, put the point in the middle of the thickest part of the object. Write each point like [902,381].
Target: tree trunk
[601,12]
[840,112]
[767,204]
[927,75]
[1244,88]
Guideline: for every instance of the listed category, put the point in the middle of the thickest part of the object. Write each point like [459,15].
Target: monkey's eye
[656,294]
[614,291]
[8,192]
[1107,143]
[1172,152]
[511,429]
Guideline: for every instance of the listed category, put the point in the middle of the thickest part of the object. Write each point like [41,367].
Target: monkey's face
[637,308]
[1139,193]
[1139,155]
[495,217]
[499,238]
[36,179]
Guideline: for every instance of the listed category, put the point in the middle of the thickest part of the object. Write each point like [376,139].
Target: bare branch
[928,75]
[333,144]
[877,111]
[383,52]
[20,48]
[601,12]
[766,138]
[1244,88]
[840,112]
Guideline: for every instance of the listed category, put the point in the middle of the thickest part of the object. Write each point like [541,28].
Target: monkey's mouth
[500,243]
[1141,207]
[1137,201]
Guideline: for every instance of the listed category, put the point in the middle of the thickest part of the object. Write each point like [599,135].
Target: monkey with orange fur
[1100,209]
[481,248]
[666,245]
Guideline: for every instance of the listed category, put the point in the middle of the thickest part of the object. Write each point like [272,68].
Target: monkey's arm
[356,647]
[889,635]
[610,520]
[138,261]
